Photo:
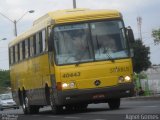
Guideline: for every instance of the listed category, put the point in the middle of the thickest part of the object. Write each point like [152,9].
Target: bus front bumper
[95,95]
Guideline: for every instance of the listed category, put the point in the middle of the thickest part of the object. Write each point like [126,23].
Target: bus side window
[43,40]
[47,36]
[37,41]
[16,53]
[40,43]
[34,44]
[31,47]
[23,49]
[11,55]
[26,48]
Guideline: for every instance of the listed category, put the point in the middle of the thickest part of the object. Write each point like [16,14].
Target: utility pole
[15,21]
[74,4]
[15,27]
[139,23]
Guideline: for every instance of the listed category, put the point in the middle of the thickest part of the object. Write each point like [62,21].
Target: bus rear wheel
[29,109]
[114,103]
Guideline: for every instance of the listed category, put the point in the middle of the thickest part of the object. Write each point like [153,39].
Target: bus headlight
[127,79]
[72,85]
[64,85]
[121,79]
[68,85]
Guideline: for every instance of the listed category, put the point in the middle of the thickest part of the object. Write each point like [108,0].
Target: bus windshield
[102,40]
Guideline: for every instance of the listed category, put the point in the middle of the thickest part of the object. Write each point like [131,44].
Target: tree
[141,59]
[4,78]
[156,36]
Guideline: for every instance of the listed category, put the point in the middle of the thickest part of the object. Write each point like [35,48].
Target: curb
[155,97]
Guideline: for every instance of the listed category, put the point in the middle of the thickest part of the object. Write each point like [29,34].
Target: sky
[148,10]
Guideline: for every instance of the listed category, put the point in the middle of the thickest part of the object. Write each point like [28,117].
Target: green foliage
[4,78]
[156,36]
[141,59]
[143,75]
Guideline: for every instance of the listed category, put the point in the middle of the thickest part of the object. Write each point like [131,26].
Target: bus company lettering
[119,69]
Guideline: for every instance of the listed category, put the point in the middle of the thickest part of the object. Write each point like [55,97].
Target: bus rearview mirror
[130,34]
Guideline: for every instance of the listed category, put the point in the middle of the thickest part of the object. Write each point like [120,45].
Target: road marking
[99,119]
[150,106]
[51,116]
[147,106]
[72,117]
[141,106]
[35,115]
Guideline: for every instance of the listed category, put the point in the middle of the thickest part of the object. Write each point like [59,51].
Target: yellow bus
[71,58]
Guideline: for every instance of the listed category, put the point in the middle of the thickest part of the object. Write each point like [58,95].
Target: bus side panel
[33,75]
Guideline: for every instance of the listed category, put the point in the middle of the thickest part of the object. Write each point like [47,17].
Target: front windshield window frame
[124,39]
[91,41]
[88,40]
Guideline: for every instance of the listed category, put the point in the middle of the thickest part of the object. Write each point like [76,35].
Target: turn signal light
[59,86]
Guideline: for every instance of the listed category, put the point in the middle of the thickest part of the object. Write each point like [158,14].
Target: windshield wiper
[79,60]
[109,56]
[78,63]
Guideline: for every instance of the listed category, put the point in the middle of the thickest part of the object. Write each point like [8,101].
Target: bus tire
[25,103]
[55,108]
[114,103]
[28,109]
[20,96]
[47,94]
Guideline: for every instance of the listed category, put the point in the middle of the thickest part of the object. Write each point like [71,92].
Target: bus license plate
[98,96]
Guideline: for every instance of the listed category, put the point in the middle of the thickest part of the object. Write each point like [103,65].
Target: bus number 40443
[67,75]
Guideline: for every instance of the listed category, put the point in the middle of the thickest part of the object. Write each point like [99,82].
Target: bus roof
[66,16]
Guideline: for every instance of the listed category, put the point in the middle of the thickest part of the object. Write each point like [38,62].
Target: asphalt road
[129,110]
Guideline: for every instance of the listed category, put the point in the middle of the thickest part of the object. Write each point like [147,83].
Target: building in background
[152,82]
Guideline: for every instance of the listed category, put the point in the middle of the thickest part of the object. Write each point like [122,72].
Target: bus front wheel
[114,103]
[55,108]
